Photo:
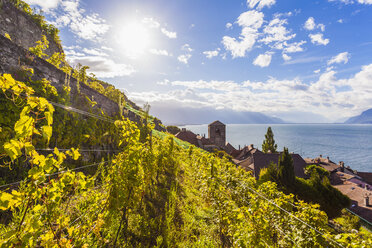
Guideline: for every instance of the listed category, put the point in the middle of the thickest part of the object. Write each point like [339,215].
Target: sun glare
[133,38]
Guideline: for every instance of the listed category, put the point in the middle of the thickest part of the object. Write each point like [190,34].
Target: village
[354,184]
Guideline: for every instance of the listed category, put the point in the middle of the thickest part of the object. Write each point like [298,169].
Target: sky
[302,61]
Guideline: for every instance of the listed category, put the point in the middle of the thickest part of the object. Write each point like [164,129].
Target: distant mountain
[363,118]
[175,115]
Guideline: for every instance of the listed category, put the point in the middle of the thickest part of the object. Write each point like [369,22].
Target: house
[252,159]
[366,176]
[216,138]
[188,136]
[325,163]
[356,185]
[217,133]
[359,191]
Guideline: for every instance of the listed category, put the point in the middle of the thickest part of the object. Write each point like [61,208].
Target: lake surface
[349,143]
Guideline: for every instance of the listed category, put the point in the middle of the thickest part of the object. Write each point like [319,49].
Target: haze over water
[349,143]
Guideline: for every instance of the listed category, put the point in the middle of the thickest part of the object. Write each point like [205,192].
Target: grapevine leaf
[5,200]
[29,148]
[13,149]
[74,153]
[49,117]
[47,132]
[24,126]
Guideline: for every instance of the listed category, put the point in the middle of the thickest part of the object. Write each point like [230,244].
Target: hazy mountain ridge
[364,118]
[188,116]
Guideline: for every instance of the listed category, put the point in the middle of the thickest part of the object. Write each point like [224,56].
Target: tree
[269,174]
[268,144]
[173,129]
[286,176]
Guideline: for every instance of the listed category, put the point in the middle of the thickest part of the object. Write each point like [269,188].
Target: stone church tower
[217,133]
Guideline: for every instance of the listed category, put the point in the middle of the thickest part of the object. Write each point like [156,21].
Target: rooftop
[216,123]
[357,196]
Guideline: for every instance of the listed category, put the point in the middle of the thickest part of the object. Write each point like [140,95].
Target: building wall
[217,134]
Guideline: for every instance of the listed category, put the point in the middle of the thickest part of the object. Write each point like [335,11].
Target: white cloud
[280,15]
[309,24]
[186,47]
[239,48]
[318,39]
[169,34]
[45,5]
[228,25]
[211,54]
[151,22]
[94,52]
[250,21]
[276,32]
[340,21]
[339,58]
[160,52]
[352,1]
[73,53]
[365,1]
[317,71]
[263,60]
[87,26]
[184,58]
[164,82]
[321,26]
[102,67]
[286,57]
[321,96]
[107,48]
[259,4]
[293,47]
[212,85]
[305,59]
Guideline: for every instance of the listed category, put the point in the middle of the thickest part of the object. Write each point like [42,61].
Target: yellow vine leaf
[13,149]
[47,132]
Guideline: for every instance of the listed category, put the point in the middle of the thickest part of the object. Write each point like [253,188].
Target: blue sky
[302,61]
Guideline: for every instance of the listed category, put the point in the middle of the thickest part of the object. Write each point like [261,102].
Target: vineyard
[156,191]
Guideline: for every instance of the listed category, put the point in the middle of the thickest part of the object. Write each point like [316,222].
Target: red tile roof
[229,148]
[366,176]
[188,136]
[357,196]
[324,163]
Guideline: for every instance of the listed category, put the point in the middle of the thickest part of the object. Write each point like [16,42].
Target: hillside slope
[74,173]
[153,193]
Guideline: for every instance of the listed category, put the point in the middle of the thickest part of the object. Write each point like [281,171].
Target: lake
[349,143]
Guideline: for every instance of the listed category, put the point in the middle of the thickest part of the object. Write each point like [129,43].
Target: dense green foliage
[268,144]
[316,189]
[153,193]
[173,129]
[71,129]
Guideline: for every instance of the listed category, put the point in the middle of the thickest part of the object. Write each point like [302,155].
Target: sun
[133,39]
